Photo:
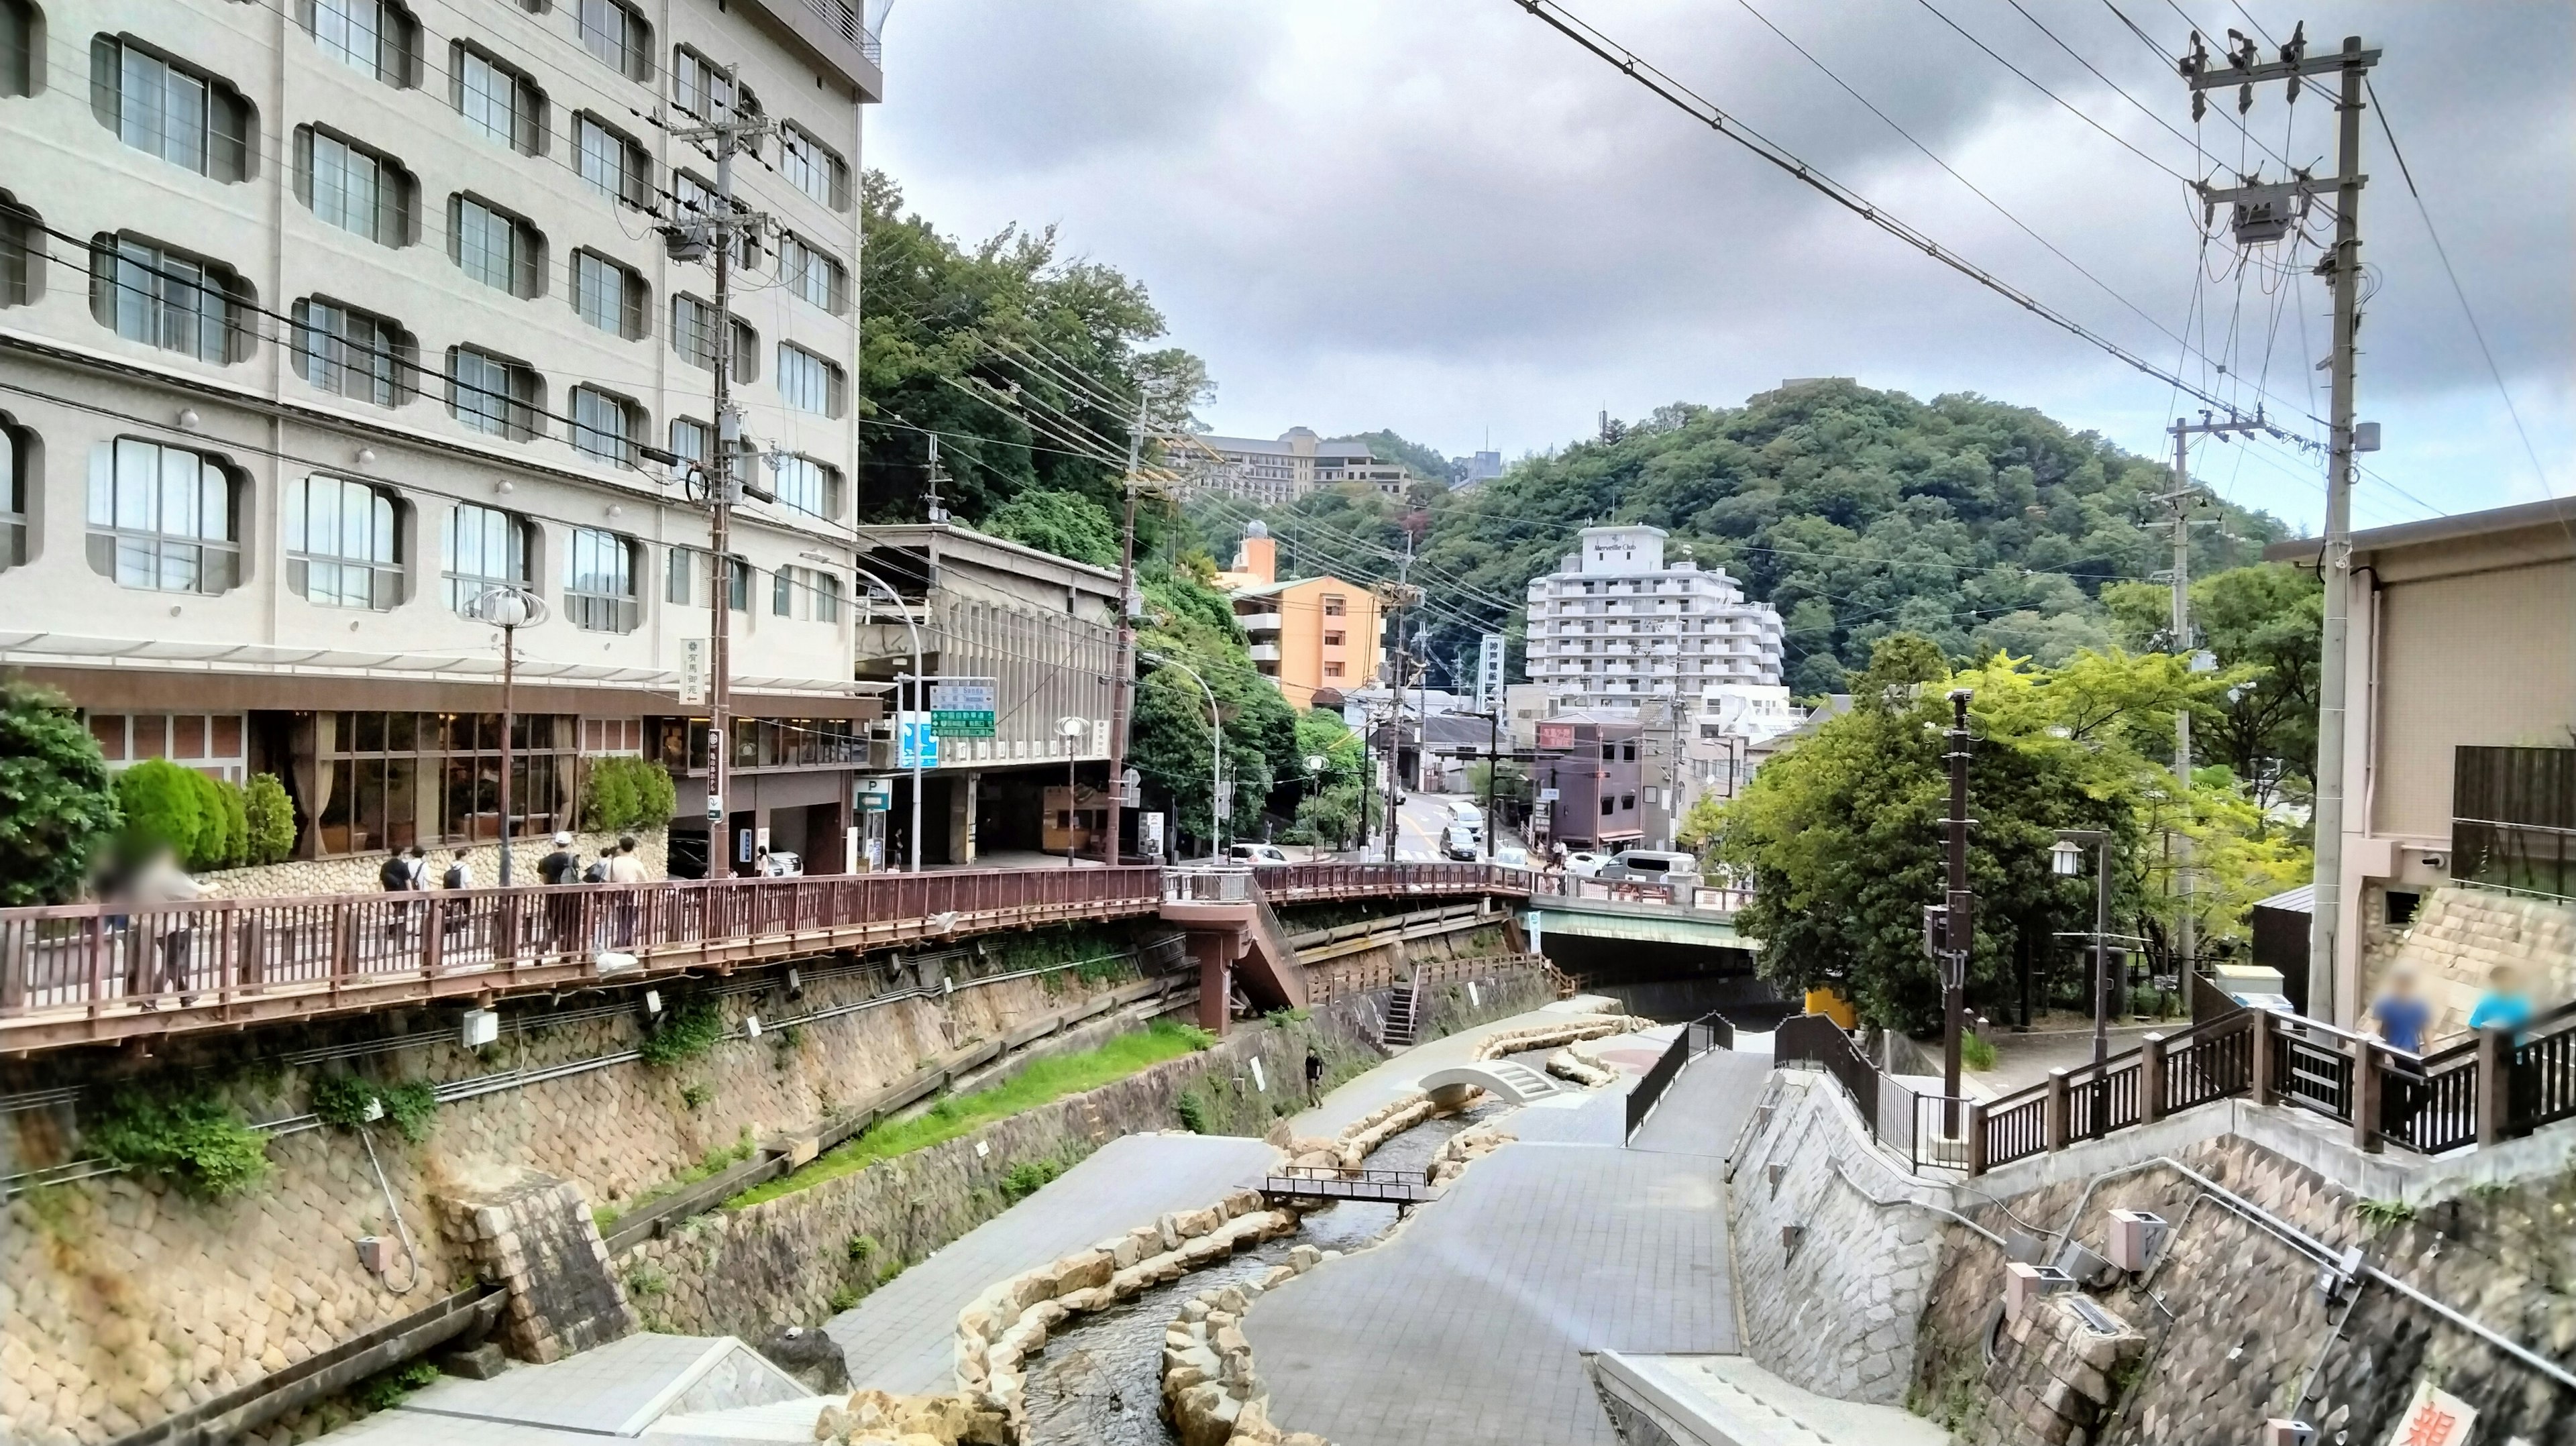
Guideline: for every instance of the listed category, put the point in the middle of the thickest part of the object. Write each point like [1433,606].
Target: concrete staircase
[1402,1018]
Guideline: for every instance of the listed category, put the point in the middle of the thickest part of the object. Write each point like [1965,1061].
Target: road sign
[916,742]
[963,707]
[875,795]
[1149,835]
[693,672]
[1548,795]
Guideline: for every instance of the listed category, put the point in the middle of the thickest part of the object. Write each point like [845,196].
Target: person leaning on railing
[2399,1017]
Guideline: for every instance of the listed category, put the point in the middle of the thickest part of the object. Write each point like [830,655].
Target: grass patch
[714,1162]
[1975,1052]
[1040,1083]
[2382,1214]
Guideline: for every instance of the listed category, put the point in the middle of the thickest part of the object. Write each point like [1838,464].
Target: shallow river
[1099,1382]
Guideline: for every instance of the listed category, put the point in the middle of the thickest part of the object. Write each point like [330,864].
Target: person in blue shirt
[2504,1005]
[2401,1012]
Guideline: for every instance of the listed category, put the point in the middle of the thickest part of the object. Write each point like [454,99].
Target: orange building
[1308,632]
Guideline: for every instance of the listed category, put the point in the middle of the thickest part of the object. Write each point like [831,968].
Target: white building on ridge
[1616,626]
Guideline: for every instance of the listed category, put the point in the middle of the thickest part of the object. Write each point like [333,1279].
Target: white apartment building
[1289,468]
[319,320]
[1615,626]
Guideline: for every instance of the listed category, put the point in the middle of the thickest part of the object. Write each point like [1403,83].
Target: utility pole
[1122,672]
[2264,212]
[1400,596]
[2180,501]
[732,130]
[1957,927]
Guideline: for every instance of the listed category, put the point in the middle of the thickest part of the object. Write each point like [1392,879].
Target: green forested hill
[1857,513]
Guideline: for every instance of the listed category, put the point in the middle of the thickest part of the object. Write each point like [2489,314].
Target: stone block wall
[1832,1306]
[2459,935]
[359,873]
[533,1237]
[2237,1328]
[123,1301]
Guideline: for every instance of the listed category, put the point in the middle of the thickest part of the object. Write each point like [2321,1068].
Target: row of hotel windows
[196,119]
[166,519]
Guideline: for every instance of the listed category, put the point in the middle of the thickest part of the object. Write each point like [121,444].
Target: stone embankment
[1552,1036]
[1582,1066]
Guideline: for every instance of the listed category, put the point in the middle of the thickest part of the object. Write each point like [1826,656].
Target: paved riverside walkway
[1466,1327]
[1359,1095]
[900,1338]
[1706,1107]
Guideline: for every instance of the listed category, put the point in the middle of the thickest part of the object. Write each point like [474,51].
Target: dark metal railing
[1709,1031]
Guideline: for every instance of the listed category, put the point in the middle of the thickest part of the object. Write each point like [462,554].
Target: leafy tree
[1030,366]
[1067,524]
[233,811]
[1194,625]
[618,794]
[2269,618]
[58,806]
[268,820]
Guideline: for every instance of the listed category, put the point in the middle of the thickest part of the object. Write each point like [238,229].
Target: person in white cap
[563,914]
[563,866]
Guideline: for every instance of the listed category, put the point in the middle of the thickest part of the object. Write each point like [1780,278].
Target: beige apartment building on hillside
[1299,462]
[318,321]
[1307,633]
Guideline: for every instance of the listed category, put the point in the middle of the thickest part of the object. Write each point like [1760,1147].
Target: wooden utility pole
[2258,213]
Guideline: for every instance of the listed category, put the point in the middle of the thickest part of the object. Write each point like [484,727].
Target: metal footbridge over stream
[92,973]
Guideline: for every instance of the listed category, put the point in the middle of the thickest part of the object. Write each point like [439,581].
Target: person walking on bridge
[1314,1076]
[625,868]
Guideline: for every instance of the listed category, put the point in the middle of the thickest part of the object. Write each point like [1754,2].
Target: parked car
[783,866]
[1259,855]
[1585,862]
[1511,856]
[1458,841]
[1650,866]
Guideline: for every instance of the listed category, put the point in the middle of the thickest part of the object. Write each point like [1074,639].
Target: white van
[1651,866]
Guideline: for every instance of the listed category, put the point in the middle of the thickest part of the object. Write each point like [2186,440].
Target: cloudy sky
[1441,216]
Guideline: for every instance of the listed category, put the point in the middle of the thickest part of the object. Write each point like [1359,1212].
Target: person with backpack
[459,918]
[460,874]
[563,912]
[563,866]
[404,872]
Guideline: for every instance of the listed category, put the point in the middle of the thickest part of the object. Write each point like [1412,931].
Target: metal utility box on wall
[2281,1431]
[2026,1285]
[2136,1237]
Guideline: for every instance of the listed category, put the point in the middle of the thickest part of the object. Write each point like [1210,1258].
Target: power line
[2071,109]
[2457,290]
[1690,103]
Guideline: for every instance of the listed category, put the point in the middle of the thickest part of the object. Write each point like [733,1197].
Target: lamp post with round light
[509,609]
[1070,728]
[2066,861]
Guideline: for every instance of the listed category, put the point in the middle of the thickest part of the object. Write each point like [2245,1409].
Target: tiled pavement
[1465,1328]
[899,1337]
[1707,1105]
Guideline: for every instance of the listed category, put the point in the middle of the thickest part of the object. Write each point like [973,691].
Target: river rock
[811,1357]
[832,1421]
[1276,1276]
[1303,1258]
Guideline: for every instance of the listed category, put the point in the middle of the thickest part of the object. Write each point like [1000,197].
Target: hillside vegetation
[1858,513]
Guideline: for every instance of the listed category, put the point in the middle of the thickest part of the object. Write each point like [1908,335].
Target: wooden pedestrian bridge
[101,972]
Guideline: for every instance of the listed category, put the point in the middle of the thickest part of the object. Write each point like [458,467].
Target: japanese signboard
[963,707]
[693,672]
[874,795]
[2434,1418]
[1556,735]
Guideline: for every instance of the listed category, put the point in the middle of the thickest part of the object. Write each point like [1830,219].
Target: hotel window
[783,587]
[210,743]
[1334,605]
[343,544]
[495,247]
[1333,639]
[146,292]
[693,329]
[354,188]
[392,780]
[494,395]
[486,548]
[19,37]
[701,89]
[810,487]
[351,353]
[14,450]
[499,102]
[1332,670]
[808,383]
[694,197]
[164,108]
[162,518]
[605,425]
[826,596]
[377,37]
[607,295]
[680,569]
[610,160]
[812,275]
[693,442]
[22,251]
[813,168]
[616,34]
[599,591]
[737,584]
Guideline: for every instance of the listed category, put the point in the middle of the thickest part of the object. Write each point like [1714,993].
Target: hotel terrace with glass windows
[318,321]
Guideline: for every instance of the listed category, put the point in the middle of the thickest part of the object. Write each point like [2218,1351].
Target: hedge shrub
[165,806]
[626,793]
[268,821]
[61,805]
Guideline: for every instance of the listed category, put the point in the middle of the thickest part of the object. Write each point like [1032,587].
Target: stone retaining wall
[1831,1285]
[123,1301]
[360,873]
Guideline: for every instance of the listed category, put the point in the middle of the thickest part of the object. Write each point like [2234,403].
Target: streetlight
[2066,861]
[1070,728]
[1216,737]
[509,609]
[915,629]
